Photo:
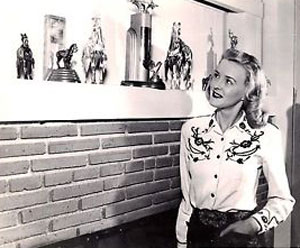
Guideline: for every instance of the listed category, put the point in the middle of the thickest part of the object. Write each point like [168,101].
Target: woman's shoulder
[271,132]
[199,121]
[271,127]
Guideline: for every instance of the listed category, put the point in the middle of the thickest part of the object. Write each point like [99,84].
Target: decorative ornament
[64,72]
[233,39]
[178,63]
[141,70]
[94,58]
[25,60]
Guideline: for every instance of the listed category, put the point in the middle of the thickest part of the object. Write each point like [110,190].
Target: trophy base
[64,75]
[145,84]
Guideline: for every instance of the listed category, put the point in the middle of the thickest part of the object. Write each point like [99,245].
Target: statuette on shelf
[94,58]
[64,71]
[144,6]
[178,62]
[233,39]
[25,60]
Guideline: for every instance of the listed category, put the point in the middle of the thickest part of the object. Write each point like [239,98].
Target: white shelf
[24,100]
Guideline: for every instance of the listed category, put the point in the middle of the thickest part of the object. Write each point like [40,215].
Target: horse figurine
[25,60]
[178,62]
[66,55]
[94,58]
[233,39]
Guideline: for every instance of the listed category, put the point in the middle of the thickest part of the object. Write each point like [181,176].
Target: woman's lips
[216,94]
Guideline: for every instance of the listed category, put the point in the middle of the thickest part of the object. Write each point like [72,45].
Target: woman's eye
[229,82]
[216,75]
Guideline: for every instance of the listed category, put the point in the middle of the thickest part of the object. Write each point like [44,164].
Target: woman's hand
[248,227]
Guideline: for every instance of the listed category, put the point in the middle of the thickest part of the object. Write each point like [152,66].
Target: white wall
[278,55]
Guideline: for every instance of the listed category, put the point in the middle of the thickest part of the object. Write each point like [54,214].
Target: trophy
[25,60]
[94,58]
[233,39]
[178,62]
[141,70]
[65,73]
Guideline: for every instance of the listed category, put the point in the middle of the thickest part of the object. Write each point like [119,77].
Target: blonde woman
[222,157]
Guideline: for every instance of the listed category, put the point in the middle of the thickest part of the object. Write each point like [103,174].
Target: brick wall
[62,180]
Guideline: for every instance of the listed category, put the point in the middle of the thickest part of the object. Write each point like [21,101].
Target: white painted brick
[3,186]
[22,149]
[97,200]
[21,200]
[53,163]
[8,219]
[8,133]
[58,178]
[86,173]
[13,168]
[112,182]
[76,219]
[25,183]
[31,132]
[10,245]
[73,145]
[23,231]
[79,189]
[48,210]
[127,206]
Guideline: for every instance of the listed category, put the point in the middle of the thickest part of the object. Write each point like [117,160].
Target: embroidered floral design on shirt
[242,151]
[198,147]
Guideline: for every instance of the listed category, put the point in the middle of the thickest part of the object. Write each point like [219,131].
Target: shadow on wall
[293,123]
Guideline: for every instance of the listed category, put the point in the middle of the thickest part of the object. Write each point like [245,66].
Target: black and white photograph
[150,124]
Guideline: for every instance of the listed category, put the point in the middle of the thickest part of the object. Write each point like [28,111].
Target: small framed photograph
[54,34]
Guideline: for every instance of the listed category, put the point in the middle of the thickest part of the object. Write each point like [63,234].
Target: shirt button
[242,125]
[216,176]
[212,195]
[218,156]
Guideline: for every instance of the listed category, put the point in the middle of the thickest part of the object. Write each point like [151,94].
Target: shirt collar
[241,124]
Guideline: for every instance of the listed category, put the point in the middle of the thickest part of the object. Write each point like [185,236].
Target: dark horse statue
[178,62]
[66,55]
[25,60]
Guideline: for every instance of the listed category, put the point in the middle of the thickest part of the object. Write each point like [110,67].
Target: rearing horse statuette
[178,62]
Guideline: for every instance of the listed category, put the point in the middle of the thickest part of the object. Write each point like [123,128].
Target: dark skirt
[205,226]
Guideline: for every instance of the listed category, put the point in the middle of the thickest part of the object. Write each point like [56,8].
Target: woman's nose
[217,83]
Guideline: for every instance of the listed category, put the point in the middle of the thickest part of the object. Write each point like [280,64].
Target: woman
[222,157]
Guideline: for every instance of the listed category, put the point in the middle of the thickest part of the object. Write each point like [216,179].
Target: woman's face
[227,85]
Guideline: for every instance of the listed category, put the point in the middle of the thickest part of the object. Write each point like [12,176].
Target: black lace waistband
[218,219]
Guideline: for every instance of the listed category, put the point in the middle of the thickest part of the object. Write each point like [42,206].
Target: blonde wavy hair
[256,86]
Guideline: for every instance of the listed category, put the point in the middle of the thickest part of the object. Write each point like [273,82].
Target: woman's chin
[215,103]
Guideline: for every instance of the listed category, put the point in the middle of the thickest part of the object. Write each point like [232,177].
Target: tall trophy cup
[141,70]
[65,73]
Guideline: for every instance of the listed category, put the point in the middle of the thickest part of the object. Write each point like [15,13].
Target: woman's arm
[185,208]
[280,201]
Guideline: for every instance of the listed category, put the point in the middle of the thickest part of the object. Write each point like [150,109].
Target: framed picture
[54,34]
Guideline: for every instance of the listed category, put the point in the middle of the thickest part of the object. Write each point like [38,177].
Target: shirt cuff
[181,244]
[262,219]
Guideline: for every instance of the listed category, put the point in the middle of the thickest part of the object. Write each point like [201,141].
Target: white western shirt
[220,171]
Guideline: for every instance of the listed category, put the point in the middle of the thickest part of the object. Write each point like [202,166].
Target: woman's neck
[227,117]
